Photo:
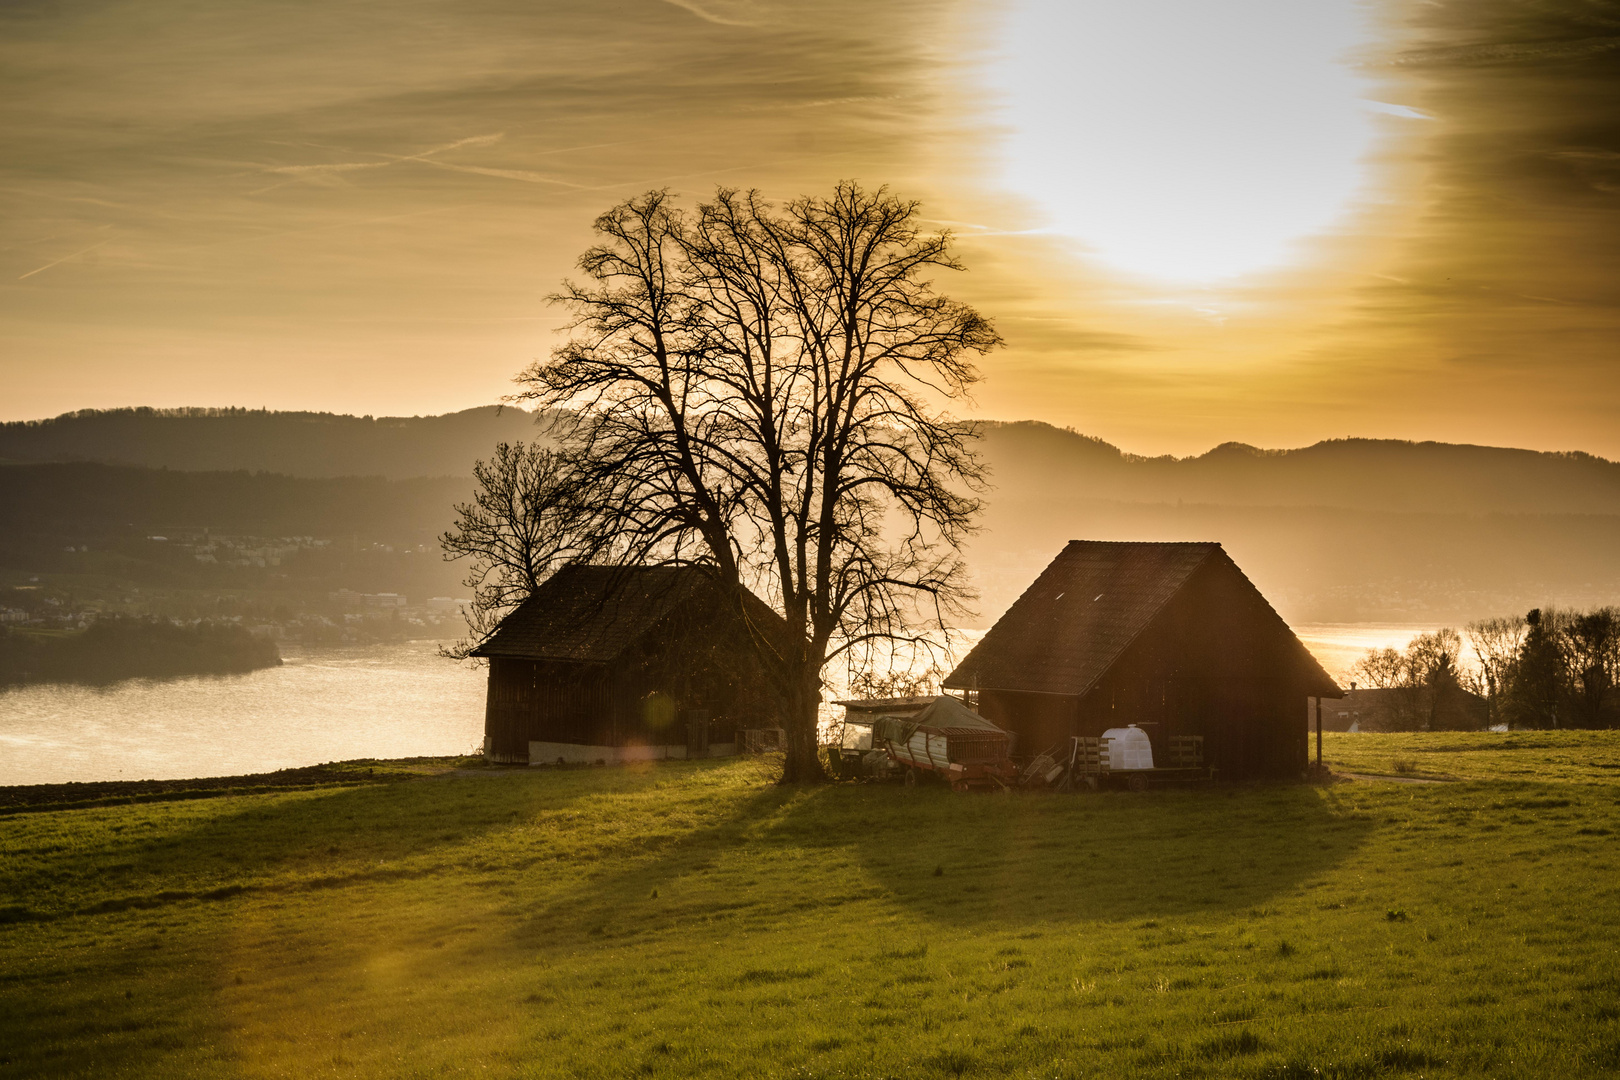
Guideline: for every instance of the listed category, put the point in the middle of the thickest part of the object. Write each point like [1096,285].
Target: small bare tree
[1424,682]
[1435,662]
[751,389]
[520,527]
[1590,643]
[1496,643]
[1382,669]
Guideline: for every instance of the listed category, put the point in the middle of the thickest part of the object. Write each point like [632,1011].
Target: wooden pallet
[1184,752]
[1086,756]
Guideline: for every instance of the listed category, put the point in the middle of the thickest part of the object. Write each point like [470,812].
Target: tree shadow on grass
[157,854]
[1036,857]
[703,862]
[965,860]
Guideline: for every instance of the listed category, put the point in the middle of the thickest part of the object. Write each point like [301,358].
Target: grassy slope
[691,919]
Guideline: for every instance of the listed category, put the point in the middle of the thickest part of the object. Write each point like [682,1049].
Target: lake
[333,704]
[328,704]
[1337,646]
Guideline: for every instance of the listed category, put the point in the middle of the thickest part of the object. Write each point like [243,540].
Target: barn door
[697,733]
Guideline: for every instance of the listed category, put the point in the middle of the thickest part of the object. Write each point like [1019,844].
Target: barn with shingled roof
[625,663]
[1171,637]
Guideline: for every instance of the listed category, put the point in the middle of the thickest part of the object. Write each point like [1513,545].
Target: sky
[1194,221]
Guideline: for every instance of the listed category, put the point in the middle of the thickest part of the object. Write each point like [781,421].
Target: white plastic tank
[1128,748]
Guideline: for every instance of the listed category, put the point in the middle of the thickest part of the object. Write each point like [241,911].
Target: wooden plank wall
[532,700]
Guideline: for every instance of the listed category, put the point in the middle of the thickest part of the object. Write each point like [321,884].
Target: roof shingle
[592,614]
[1078,617]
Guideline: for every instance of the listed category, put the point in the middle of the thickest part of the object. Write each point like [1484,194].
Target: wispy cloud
[722,12]
[63,259]
[331,173]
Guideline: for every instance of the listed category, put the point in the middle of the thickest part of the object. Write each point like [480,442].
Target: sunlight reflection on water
[1337,646]
[399,700]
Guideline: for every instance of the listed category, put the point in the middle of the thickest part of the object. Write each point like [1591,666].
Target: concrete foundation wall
[548,753]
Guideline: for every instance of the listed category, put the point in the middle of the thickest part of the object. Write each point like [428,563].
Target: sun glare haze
[1184,142]
[754,539]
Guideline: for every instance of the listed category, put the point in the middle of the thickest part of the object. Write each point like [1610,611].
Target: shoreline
[74,795]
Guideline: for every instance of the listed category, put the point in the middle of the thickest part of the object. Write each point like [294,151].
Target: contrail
[64,259]
[315,173]
[706,15]
[508,174]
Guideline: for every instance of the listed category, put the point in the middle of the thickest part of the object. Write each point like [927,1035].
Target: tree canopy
[759,389]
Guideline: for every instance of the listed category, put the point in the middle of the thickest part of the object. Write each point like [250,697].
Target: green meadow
[695,919]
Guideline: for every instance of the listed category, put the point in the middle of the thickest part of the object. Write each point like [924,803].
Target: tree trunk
[803,761]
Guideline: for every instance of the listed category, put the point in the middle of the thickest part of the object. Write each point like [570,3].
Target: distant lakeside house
[1171,637]
[624,663]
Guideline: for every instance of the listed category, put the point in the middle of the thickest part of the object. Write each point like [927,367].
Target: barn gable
[1171,637]
[1094,601]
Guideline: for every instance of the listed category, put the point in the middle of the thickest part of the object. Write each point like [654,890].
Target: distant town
[282,609]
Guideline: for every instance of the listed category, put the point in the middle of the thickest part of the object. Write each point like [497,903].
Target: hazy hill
[78,499]
[1351,530]
[1037,460]
[93,524]
[293,443]
[1029,460]
[1346,530]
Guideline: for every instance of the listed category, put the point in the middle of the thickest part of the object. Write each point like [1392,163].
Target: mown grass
[1576,757]
[696,920]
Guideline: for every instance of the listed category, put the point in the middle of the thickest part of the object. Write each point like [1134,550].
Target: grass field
[696,920]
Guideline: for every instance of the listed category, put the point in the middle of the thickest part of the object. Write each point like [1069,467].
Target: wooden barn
[617,664]
[1171,637]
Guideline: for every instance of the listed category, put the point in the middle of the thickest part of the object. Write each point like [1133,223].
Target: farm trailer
[951,741]
[1123,757]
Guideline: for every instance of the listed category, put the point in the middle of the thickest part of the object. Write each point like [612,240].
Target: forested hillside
[83,498]
[1345,530]
[294,443]
[1028,460]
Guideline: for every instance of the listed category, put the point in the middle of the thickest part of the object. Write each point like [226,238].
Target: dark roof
[880,704]
[592,614]
[1084,611]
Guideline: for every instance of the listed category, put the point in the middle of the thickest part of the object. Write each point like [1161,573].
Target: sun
[1185,140]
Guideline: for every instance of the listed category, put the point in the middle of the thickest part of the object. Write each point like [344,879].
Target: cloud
[722,12]
[63,259]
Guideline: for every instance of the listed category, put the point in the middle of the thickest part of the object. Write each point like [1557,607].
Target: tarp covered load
[945,733]
[945,713]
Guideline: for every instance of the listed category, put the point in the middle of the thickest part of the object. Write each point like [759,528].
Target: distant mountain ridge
[1342,531]
[306,444]
[1037,460]
[1028,459]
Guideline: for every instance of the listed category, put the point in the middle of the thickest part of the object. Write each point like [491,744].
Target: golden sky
[1194,220]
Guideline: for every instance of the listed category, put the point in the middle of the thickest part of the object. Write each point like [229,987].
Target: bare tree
[1496,643]
[1590,644]
[1382,669]
[520,527]
[751,390]
[1435,662]
[1423,683]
